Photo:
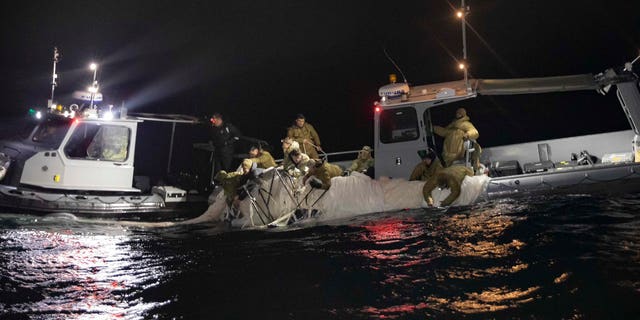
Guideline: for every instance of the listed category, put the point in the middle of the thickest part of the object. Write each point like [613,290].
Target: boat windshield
[106,142]
[51,131]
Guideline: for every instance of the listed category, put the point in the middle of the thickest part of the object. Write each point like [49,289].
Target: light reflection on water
[77,275]
[405,246]
[507,259]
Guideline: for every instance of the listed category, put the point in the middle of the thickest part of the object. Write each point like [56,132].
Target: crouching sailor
[299,163]
[323,172]
[262,158]
[364,163]
[451,178]
[231,182]
[428,167]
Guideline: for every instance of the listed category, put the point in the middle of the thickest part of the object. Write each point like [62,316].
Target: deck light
[459,13]
[94,85]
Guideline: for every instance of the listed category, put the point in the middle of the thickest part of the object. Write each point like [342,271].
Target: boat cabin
[403,123]
[89,152]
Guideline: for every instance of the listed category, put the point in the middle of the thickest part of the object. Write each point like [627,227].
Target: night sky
[261,62]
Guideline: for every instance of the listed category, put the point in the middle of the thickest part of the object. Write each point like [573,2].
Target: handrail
[335,153]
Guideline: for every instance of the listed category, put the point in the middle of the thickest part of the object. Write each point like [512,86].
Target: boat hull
[147,207]
[595,179]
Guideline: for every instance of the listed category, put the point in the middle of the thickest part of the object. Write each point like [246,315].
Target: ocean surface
[564,257]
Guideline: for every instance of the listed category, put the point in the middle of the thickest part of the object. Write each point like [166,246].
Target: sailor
[232,181]
[364,162]
[455,134]
[299,163]
[223,137]
[450,177]
[288,145]
[323,171]
[306,136]
[428,167]
[260,157]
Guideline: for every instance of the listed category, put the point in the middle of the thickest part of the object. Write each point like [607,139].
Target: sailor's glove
[430,201]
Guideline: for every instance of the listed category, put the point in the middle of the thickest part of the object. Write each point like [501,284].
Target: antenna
[462,14]
[394,64]
[54,76]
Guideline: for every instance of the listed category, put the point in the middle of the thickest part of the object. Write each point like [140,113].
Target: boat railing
[341,158]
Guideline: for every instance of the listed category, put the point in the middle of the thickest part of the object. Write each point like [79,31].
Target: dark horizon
[259,64]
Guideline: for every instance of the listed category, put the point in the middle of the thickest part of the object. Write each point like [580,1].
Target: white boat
[81,160]
[532,166]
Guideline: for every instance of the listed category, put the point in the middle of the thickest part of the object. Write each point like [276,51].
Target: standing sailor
[306,136]
[455,135]
[223,137]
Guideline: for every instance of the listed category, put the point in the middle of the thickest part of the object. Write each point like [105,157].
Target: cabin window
[51,131]
[91,141]
[398,125]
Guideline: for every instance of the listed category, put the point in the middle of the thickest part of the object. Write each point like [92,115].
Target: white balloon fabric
[471,189]
[349,196]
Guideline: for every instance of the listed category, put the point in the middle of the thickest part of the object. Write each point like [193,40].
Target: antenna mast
[54,76]
[462,14]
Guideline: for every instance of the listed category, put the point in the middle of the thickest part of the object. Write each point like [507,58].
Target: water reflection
[73,274]
[489,300]
[435,253]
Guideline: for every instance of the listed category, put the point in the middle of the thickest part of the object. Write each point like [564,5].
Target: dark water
[572,257]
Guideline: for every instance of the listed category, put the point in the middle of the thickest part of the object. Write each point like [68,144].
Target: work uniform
[453,134]
[450,177]
[286,161]
[299,169]
[223,139]
[424,171]
[307,131]
[230,182]
[325,172]
[264,160]
[361,165]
